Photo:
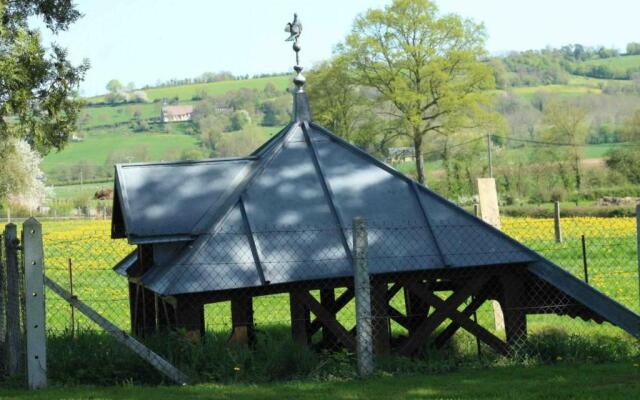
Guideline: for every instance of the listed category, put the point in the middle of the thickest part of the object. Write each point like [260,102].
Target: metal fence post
[13,300]
[362,287]
[34,304]
[556,222]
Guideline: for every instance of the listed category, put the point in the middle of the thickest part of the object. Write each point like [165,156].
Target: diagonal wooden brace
[443,310]
[328,320]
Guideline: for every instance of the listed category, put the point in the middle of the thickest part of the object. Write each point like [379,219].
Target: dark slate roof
[237,223]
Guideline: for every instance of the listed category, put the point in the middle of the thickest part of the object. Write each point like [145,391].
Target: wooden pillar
[142,302]
[328,299]
[190,316]
[166,314]
[513,307]
[242,331]
[380,318]
[300,319]
[416,308]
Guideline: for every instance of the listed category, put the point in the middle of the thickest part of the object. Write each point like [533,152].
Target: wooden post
[13,300]
[556,222]
[190,317]
[362,287]
[242,330]
[3,301]
[381,324]
[34,304]
[585,263]
[300,317]
[515,316]
[416,308]
[73,314]
[638,244]
[327,299]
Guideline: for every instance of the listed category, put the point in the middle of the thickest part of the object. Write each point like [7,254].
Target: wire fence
[469,295]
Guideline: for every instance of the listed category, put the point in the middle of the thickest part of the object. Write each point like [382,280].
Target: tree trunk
[417,148]
[576,167]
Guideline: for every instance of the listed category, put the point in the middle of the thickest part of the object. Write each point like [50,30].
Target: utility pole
[490,156]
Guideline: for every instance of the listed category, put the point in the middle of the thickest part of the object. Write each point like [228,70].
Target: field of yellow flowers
[82,250]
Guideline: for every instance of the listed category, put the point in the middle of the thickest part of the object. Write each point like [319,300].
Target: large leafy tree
[426,65]
[37,85]
[38,102]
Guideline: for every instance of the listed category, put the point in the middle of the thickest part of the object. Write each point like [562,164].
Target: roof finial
[295,29]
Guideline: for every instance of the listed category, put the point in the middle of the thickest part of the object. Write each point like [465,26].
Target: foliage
[626,161]
[633,48]
[240,119]
[38,86]
[425,65]
[20,176]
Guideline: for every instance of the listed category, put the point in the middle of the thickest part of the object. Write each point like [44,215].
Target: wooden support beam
[453,327]
[242,331]
[338,305]
[300,329]
[472,327]
[397,316]
[416,309]
[328,300]
[380,317]
[515,316]
[328,320]
[443,310]
[190,317]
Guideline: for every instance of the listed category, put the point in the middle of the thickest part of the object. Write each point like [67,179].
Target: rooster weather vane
[294,29]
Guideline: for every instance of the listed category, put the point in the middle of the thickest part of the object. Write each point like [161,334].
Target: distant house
[401,154]
[176,113]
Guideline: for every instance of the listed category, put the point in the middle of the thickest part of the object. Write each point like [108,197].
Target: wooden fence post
[3,301]
[13,300]
[362,287]
[34,304]
[556,222]
[638,244]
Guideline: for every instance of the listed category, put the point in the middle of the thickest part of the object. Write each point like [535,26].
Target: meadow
[85,247]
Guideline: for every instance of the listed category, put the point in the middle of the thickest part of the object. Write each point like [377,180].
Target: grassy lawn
[619,62]
[581,381]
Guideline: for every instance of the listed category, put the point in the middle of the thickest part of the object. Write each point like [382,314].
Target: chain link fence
[282,303]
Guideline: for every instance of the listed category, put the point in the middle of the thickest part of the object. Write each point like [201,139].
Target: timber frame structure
[220,230]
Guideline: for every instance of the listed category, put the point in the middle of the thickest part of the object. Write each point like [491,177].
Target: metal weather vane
[294,29]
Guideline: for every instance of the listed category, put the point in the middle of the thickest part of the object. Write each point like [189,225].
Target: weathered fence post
[638,245]
[13,300]
[3,301]
[556,222]
[34,304]
[362,287]
[585,263]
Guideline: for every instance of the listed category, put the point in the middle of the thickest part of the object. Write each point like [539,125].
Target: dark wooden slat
[328,320]
[328,299]
[515,318]
[472,327]
[398,317]
[443,310]
[453,326]
[338,305]
[299,319]
[381,328]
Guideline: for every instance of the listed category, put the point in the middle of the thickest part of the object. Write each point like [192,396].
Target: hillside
[105,134]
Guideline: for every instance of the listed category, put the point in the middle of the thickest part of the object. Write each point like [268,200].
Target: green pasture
[612,268]
[186,92]
[97,116]
[97,146]
[622,62]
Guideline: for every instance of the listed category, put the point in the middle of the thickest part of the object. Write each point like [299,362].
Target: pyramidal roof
[235,223]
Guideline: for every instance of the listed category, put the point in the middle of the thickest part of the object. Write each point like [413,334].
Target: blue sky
[143,41]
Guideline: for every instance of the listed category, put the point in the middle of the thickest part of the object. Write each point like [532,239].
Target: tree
[633,48]
[22,183]
[631,130]
[275,112]
[114,86]
[239,120]
[38,85]
[426,65]
[567,123]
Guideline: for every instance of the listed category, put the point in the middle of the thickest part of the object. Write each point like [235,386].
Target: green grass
[623,62]
[97,146]
[70,192]
[186,92]
[92,117]
[565,381]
